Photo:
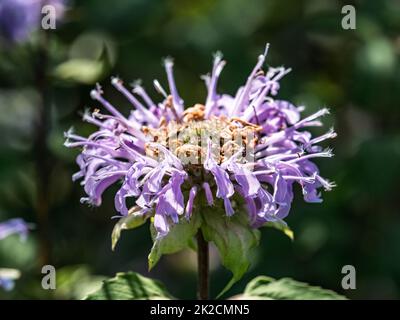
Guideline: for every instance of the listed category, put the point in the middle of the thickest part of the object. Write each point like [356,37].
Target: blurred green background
[356,73]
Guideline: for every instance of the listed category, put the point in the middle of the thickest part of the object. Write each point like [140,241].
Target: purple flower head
[18,18]
[14,226]
[243,152]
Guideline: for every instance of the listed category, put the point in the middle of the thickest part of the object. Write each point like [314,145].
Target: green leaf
[282,226]
[84,70]
[234,239]
[80,70]
[76,282]
[179,237]
[263,287]
[130,286]
[131,221]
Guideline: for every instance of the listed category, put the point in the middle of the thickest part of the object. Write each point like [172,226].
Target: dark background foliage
[356,73]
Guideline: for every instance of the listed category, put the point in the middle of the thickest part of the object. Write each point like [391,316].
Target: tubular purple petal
[189,205]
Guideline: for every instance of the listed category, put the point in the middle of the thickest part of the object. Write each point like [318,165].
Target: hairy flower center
[188,138]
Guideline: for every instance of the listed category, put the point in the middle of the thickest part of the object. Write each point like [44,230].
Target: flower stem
[202,265]
[43,157]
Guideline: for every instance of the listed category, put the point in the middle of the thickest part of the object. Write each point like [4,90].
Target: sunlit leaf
[130,286]
[263,287]
[83,70]
[80,70]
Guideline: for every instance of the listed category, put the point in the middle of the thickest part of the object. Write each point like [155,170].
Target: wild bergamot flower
[246,151]
[8,228]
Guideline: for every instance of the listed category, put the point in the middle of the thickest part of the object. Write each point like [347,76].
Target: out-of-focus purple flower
[8,228]
[18,18]
[8,277]
[14,226]
[167,155]
[6,283]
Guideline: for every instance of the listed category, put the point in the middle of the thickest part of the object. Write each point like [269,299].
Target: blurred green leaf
[83,70]
[80,70]
[91,45]
[263,287]
[130,286]
[76,282]
[234,239]
[378,56]
[17,253]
